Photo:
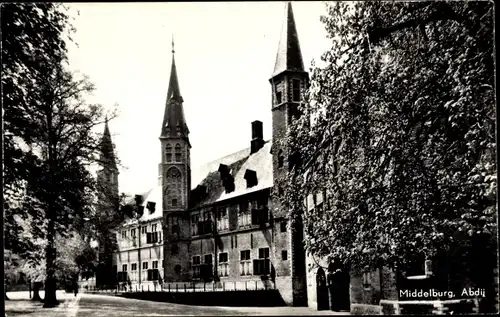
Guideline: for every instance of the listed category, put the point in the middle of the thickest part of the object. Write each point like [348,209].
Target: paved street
[104,305]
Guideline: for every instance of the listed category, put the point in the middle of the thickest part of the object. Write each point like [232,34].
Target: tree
[51,140]
[397,133]
[26,53]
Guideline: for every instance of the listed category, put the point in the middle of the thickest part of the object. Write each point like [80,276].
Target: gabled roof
[261,162]
[208,175]
[153,195]
[289,56]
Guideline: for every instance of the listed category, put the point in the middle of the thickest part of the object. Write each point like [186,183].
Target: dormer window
[229,184]
[227,178]
[177,152]
[223,170]
[168,151]
[151,206]
[140,210]
[251,178]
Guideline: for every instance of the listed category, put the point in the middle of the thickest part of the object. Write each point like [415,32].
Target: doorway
[321,290]
[338,281]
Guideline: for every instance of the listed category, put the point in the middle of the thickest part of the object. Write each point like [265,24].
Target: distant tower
[288,81]
[108,204]
[175,176]
[108,175]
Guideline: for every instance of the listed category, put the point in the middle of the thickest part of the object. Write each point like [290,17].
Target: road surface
[97,305]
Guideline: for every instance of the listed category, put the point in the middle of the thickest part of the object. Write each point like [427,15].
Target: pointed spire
[174,120]
[173,86]
[289,57]
[107,151]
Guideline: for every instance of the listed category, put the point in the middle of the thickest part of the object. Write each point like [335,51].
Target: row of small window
[205,227]
[145,264]
[257,217]
[295,92]
[168,152]
[154,228]
[152,275]
[248,214]
[151,237]
[260,265]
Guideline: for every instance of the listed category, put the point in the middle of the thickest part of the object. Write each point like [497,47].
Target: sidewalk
[284,311]
[21,305]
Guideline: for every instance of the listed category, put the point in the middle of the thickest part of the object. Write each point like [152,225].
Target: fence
[188,287]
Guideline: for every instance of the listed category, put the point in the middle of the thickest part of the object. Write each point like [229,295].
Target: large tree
[398,133]
[49,128]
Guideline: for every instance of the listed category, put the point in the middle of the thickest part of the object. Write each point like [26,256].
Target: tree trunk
[36,289]
[50,282]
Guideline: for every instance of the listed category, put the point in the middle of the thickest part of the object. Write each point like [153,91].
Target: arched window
[177,269]
[174,185]
[177,152]
[168,152]
[280,159]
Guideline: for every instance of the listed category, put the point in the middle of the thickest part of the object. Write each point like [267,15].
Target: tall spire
[174,121]
[289,57]
[173,85]
[107,152]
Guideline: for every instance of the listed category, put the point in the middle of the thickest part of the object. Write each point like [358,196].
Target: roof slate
[208,175]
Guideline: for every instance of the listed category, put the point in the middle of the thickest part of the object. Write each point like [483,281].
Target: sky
[224,53]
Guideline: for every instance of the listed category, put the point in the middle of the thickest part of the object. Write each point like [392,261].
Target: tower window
[296,90]
[280,159]
[177,269]
[177,152]
[174,183]
[168,151]
[174,202]
[278,94]
[174,249]
[284,255]
[283,226]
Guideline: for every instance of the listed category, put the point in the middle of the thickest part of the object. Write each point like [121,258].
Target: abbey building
[226,227]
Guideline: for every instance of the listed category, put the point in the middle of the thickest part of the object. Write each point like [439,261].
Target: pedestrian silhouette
[75,287]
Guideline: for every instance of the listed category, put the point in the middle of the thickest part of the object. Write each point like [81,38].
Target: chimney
[257,138]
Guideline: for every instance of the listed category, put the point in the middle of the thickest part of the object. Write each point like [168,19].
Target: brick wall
[281,243]
[365,294]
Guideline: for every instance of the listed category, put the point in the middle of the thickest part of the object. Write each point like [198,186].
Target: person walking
[75,287]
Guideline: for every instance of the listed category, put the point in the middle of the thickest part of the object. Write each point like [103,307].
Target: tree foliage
[49,129]
[398,132]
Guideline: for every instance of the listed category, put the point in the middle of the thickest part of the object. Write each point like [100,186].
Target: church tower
[288,81]
[108,203]
[108,175]
[175,177]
